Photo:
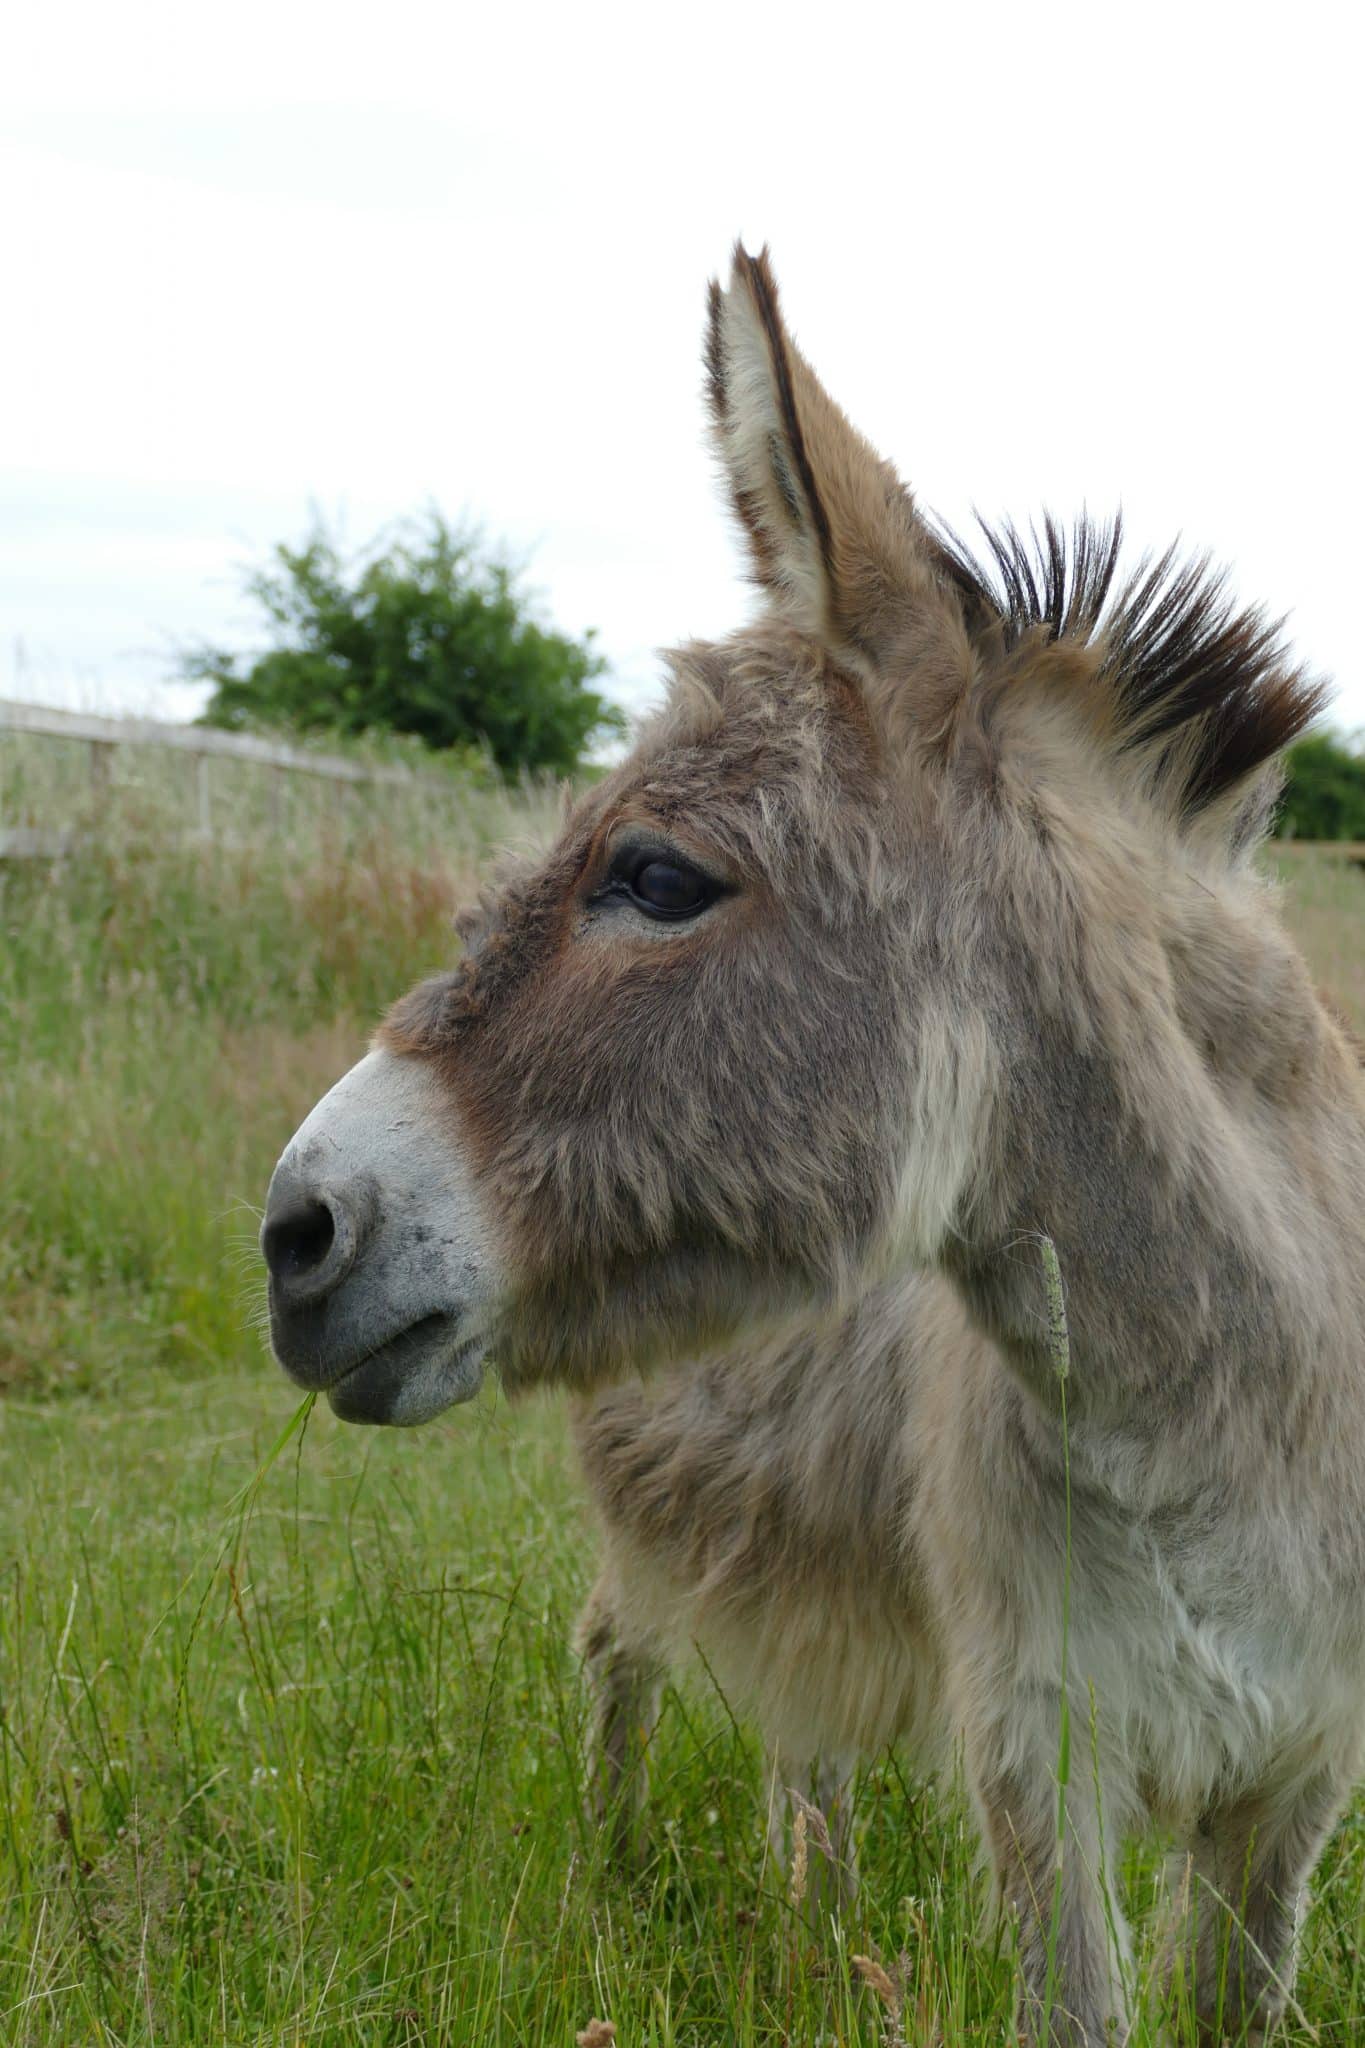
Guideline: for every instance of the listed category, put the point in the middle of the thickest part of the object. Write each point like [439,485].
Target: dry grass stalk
[890,1990]
[799,1858]
[816,1826]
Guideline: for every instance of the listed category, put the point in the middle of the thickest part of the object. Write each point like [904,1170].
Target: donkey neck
[1193,1151]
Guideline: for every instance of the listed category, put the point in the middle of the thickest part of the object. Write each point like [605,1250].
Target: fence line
[101,735]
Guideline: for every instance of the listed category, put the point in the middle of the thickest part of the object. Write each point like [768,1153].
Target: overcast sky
[262,256]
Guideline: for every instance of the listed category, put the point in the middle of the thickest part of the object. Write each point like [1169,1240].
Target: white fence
[102,735]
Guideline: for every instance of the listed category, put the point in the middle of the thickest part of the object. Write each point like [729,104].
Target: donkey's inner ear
[832,533]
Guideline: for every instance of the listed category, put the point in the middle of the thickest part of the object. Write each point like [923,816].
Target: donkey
[918,924]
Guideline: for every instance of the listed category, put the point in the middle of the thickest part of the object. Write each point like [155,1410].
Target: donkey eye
[658,882]
[670,890]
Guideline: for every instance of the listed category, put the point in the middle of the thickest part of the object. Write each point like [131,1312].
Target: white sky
[378,256]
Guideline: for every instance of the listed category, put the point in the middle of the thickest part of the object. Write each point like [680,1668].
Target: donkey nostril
[299,1242]
[312,1235]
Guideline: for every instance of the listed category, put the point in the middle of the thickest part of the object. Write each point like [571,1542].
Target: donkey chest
[1212,1657]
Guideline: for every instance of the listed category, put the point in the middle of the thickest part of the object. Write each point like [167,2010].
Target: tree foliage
[423,633]
[1325,789]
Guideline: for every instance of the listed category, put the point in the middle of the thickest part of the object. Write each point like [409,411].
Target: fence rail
[204,743]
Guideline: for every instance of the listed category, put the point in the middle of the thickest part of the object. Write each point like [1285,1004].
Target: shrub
[423,633]
[1325,792]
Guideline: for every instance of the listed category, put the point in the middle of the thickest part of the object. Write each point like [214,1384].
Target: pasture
[302,1764]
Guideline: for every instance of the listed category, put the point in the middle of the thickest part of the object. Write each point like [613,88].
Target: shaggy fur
[982,958]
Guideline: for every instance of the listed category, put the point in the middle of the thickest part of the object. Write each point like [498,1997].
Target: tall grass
[1325,905]
[318,1780]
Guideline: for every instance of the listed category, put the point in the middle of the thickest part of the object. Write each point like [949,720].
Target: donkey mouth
[411,1377]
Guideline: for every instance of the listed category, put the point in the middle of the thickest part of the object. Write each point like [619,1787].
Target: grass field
[305,1768]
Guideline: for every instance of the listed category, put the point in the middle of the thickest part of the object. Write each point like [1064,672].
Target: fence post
[101,753]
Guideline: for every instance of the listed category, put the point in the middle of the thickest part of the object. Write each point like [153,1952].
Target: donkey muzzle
[381,1275]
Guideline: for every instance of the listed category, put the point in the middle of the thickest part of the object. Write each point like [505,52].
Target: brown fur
[985,960]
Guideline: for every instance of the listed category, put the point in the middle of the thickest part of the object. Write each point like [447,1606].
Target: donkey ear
[832,532]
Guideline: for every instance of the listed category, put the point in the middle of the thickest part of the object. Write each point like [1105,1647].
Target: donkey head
[738,1040]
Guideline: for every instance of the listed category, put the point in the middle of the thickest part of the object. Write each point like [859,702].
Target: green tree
[422,633]
[1325,790]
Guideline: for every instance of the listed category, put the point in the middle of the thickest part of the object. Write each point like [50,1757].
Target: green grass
[347,1808]
[315,1777]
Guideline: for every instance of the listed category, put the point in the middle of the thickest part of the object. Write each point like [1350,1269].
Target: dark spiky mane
[1207,686]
